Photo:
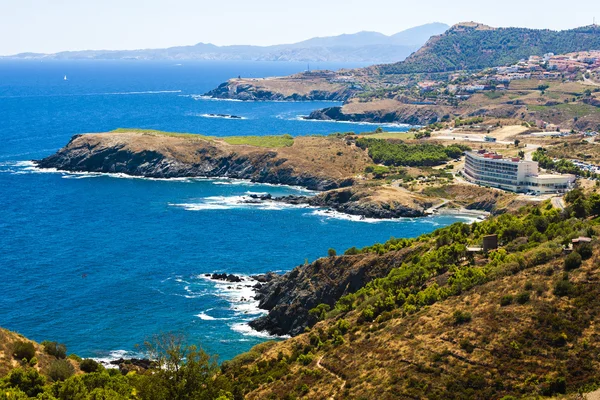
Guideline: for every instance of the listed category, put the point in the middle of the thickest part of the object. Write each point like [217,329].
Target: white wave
[331,214]
[205,317]
[116,355]
[235,202]
[206,98]
[257,193]
[382,124]
[221,116]
[247,330]
[130,93]
[239,295]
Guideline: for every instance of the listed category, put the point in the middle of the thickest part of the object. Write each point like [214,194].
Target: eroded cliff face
[300,87]
[290,297]
[170,157]
[410,115]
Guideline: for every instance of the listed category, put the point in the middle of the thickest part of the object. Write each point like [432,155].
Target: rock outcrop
[290,297]
[173,157]
[407,114]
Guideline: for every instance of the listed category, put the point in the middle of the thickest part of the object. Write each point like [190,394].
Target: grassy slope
[412,345]
[256,141]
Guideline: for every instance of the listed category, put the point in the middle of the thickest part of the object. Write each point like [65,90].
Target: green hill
[476,46]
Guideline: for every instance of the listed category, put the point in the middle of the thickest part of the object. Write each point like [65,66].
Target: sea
[102,263]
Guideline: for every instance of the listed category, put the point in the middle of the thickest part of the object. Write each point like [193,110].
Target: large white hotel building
[513,174]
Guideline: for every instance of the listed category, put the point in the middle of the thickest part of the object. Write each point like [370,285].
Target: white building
[513,174]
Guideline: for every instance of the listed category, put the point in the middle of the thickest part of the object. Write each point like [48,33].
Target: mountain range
[370,47]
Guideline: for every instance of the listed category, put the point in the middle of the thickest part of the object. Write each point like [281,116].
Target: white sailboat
[65,78]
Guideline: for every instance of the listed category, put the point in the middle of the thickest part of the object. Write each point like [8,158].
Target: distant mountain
[358,47]
[474,46]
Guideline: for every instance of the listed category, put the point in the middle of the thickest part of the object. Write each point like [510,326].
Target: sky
[55,25]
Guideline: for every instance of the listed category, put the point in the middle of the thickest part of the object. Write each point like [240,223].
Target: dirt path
[558,202]
[336,376]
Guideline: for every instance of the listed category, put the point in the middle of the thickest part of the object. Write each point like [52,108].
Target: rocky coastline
[288,298]
[85,153]
[408,114]
[233,90]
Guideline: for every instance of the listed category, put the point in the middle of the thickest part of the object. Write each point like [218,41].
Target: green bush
[523,298]
[331,253]
[60,370]
[23,350]
[306,359]
[55,349]
[563,288]
[28,381]
[585,250]
[88,365]
[506,300]
[573,261]
[461,317]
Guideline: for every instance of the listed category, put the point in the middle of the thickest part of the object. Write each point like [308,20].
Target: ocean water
[102,262]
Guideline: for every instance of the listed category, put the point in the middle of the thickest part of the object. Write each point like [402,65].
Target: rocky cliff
[290,297]
[255,92]
[398,113]
[161,156]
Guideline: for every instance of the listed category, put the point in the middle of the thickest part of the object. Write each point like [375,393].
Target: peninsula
[341,167]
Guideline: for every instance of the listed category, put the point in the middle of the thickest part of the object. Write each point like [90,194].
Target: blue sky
[56,25]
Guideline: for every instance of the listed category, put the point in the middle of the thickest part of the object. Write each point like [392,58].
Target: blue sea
[102,262]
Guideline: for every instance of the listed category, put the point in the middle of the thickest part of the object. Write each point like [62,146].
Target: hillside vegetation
[444,323]
[476,46]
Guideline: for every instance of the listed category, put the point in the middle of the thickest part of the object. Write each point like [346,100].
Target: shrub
[29,381]
[506,300]
[467,346]
[88,365]
[563,288]
[306,359]
[23,350]
[367,314]
[585,250]
[461,317]
[573,261]
[343,325]
[523,298]
[55,349]
[320,311]
[60,370]
[331,253]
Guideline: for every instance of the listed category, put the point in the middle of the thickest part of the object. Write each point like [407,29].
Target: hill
[476,46]
[369,47]
[448,324]
[439,322]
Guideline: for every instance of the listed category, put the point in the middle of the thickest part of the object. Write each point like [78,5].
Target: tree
[88,365]
[517,142]
[331,253]
[60,370]
[55,349]
[573,261]
[585,250]
[182,371]
[23,351]
[29,381]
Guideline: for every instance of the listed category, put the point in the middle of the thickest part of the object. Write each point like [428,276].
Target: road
[558,202]
[432,210]
[590,82]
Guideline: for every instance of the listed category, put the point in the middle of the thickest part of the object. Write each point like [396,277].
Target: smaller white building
[513,174]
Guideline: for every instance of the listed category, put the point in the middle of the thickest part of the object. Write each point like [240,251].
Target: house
[580,240]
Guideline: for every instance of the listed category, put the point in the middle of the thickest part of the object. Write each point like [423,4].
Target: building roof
[582,239]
